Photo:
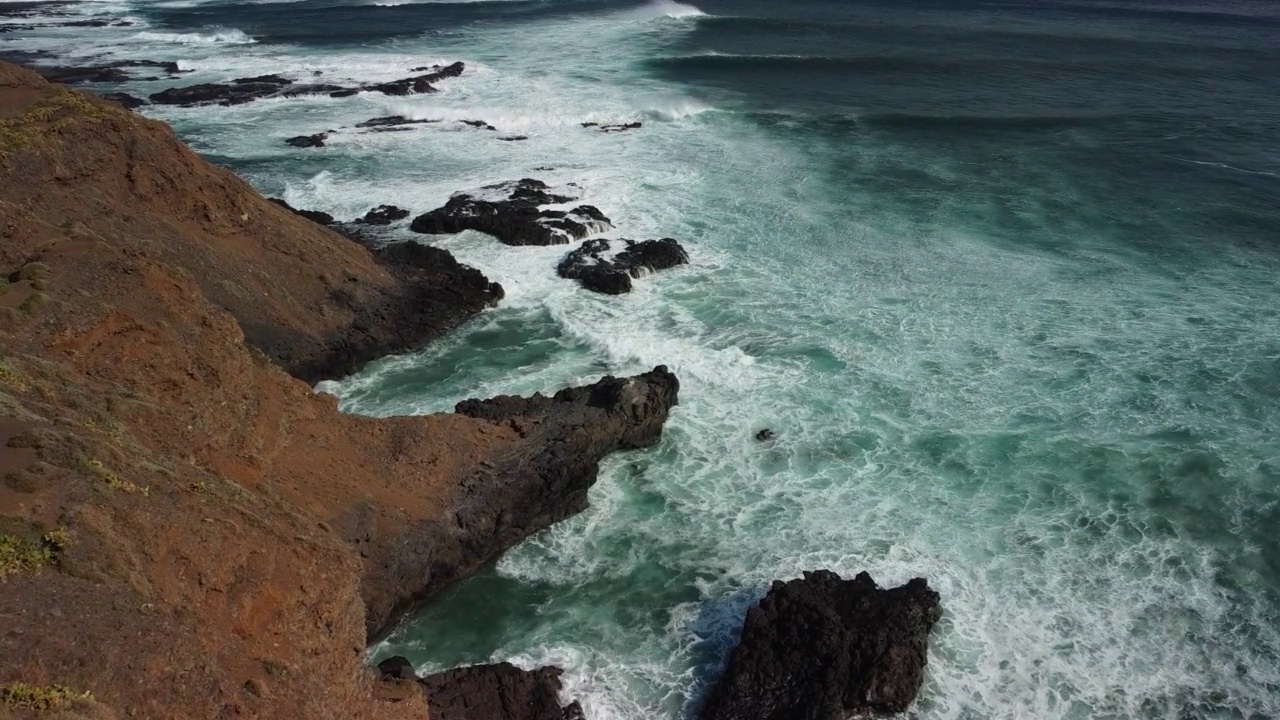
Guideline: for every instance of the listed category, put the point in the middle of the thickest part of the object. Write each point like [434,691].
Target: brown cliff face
[182,523]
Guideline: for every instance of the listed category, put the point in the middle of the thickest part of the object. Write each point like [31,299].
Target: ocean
[1002,276]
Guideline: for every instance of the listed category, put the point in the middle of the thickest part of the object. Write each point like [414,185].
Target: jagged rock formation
[823,648]
[499,691]
[516,214]
[612,276]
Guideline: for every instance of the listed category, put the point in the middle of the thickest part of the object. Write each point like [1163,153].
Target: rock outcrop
[499,691]
[516,213]
[419,83]
[307,141]
[243,90]
[202,534]
[384,215]
[612,276]
[823,648]
[563,437]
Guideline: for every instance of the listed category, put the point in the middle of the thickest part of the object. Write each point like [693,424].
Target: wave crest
[219,37]
[667,8]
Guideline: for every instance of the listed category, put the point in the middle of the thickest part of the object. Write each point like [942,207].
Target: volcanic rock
[390,120]
[236,92]
[307,141]
[498,692]
[823,648]
[384,215]
[612,276]
[513,212]
[418,83]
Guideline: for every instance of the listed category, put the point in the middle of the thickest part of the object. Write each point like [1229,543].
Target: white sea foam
[216,37]
[666,9]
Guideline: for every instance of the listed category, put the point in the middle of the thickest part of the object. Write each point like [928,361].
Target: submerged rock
[765,435]
[391,120]
[384,215]
[236,92]
[478,124]
[612,276]
[418,83]
[823,648]
[612,128]
[513,212]
[307,141]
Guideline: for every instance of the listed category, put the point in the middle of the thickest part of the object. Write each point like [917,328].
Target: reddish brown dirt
[199,485]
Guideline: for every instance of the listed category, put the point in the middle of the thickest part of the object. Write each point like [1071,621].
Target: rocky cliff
[187,530]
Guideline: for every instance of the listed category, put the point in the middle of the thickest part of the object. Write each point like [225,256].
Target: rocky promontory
[824,648]
[186,528]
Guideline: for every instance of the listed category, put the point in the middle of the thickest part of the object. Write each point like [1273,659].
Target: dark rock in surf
[236,92]
[307,141]
[125,99]
[419,83]
[384,215]
[612,276]
[517,218]
[514,138]
[315,216]
[312,89]
[74,75]
[823,648]
[397,668]
[765,435]
[478,124]
[346,92]
[391,120]
[498,692]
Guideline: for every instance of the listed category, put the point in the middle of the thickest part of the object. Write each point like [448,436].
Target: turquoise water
[1002,277]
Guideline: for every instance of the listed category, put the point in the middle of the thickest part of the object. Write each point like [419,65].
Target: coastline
[241,528]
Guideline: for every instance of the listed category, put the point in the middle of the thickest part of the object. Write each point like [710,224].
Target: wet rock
[97,22]
[167,66]
[765,435]
[611,128]
[478,124]
[418,83]
[513,212]
[391,120]
[313,89]
[307,141]
[236,92]
[315,216]
[127,100]
[396,668]
[345,92]
[498,692]
[612,276]
[384,215]
[824,648]
[514,138]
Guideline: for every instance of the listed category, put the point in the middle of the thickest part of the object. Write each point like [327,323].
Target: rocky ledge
[824,648]
[516,214]
[612,276]
[243,90]
[499,691]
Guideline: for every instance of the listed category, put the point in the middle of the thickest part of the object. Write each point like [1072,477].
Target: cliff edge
[187,530]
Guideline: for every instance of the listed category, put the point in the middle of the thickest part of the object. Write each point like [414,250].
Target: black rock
[418,83]
[235,92]
[126,100]
[498,692]
[765,435]
[823,648]
[391,120]
[168,66]
[397,668]
[384,215]
[519,219]
[312,89]
[514,138]
[478,124]
[346,92]
[315,216]
[307,141]
[612,276]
